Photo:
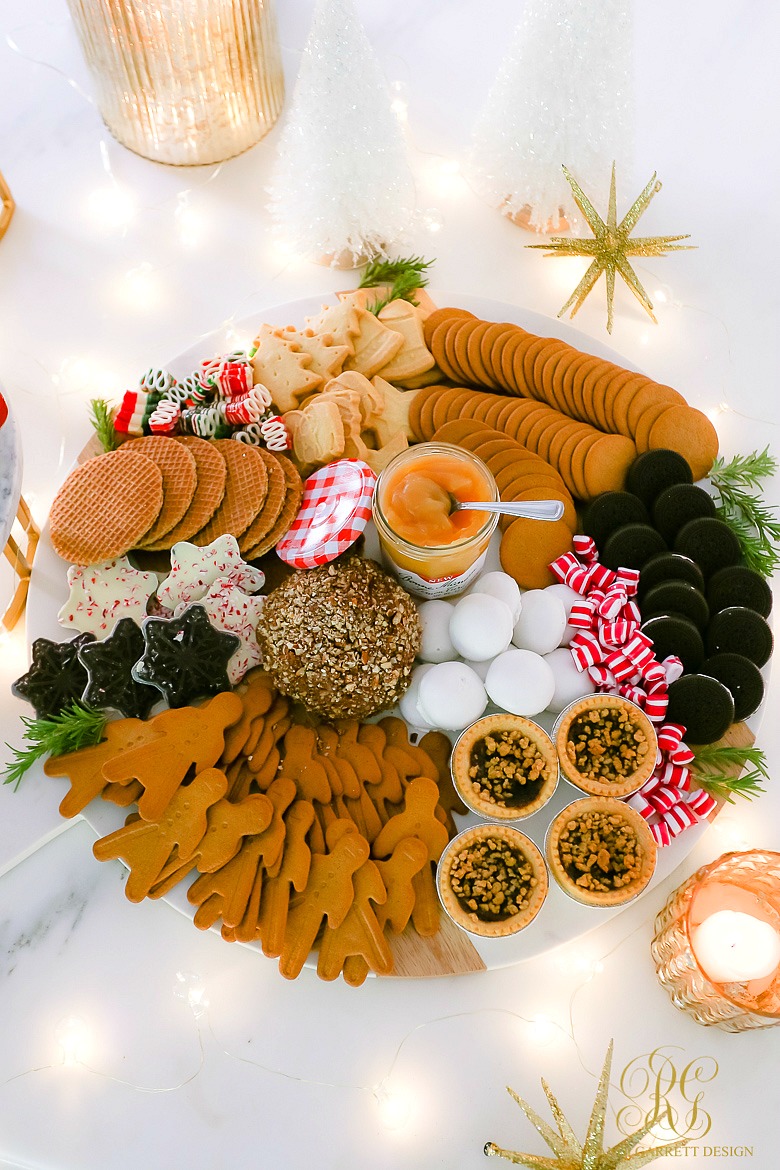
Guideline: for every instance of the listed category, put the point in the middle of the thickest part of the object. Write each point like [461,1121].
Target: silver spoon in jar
[528,509]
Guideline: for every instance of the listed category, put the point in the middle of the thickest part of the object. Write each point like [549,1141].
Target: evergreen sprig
[73,728]
[708,771]
[405,276]
[755,524]
[101,415]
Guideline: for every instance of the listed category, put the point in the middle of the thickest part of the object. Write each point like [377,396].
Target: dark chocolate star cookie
[56,678]
[109,664]
[185,657]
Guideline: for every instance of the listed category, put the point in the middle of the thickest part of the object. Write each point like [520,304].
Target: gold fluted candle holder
[186,82]
[748,883]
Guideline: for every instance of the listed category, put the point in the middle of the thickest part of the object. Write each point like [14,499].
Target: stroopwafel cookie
[245,492]
[292,502]
[105,506]
[272,506]
[177,465]
[211,473]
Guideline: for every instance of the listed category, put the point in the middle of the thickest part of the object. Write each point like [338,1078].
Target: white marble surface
[85,306]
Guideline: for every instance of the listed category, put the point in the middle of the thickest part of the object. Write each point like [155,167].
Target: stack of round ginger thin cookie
[587,460]
[576,385]
[155,491]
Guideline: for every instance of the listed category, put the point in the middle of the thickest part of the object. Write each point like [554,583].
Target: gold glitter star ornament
[591,1155]
[611,246]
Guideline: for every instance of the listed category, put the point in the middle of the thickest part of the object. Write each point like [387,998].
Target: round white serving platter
[560,920]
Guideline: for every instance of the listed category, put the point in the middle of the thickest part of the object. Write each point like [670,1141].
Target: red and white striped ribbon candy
[702,803]
[656,706]
[562,565]
[639,649]
[676,775]
[615,634]
[621,666]
[633,694]
[679,818]
[585,650]
[583,614]
[612,605]
[585,548]
[661,834]
[629,578]
[664,799]
[682,755]
[599,576]
[601,675]
[641,805]
[632,612]
[670,736]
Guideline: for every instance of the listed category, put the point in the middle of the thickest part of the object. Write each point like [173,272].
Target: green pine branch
[405,276]
[73,728]
[101,415]
[755,524]
[708,772]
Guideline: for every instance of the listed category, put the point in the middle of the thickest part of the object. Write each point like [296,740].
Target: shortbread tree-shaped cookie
[341,189]
[283,368]
[327,357]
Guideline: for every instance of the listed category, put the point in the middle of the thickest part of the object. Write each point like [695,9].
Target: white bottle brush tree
[562,96]
[341,189]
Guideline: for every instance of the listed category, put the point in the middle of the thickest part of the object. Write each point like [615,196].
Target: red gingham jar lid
[334,511]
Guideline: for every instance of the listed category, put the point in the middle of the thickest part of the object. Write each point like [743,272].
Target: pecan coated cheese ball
[341,639]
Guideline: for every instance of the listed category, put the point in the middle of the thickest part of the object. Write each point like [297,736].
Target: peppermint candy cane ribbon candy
[661,834]
[244,408]
[702,803]
[233,378]
[562,565]
[585,548]
[641,805]
[276,434]
[165,417]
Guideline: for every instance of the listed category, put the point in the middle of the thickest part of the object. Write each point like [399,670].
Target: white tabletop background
[285,1070]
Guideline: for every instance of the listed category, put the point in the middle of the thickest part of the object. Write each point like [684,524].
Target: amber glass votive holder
[748,883]
[186,82]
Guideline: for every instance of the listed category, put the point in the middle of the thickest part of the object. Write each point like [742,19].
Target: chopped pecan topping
[606,744]
[600,852]
[492,880]
[507,768]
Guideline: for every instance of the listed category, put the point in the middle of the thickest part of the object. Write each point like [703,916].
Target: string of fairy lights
[390,1095]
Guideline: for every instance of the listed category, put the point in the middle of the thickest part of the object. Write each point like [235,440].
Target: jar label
[431,588]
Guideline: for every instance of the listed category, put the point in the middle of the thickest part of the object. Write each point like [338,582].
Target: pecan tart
[492,880]
[505,767]
[606,745]
[600,851]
